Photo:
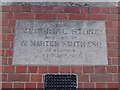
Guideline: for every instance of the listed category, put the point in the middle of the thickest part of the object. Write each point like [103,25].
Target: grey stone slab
[60,42]
[73,4]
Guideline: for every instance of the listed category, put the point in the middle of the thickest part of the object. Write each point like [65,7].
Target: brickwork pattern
[32,76]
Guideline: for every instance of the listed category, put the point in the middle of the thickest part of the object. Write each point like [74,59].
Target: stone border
[73,4]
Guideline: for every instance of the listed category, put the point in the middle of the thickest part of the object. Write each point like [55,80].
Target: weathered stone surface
[73,4]
[60,42]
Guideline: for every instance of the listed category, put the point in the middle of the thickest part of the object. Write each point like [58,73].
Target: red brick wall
[32,76]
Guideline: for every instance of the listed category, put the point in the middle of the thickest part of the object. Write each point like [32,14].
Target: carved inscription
[60,42]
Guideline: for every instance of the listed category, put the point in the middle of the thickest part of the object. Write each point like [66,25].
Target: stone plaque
[60,42]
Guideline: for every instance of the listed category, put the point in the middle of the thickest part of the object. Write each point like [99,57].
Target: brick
[112,53]
[10,37]
[26,8]
[11,44]
[6,85]
[3,37]
[36,9]
[36,78]
[112,39]
[104,10]
[18,85]
[71,9]
[5,8]
[9,53]
[112,17]
[21,69]
[85,9]
[16,8]
[109,61]
[47,9]
[32,69]
[112,85]
[118,69]
[24,16]
[4,22]
[6,45]
[96,17]
[94,10]
[113,45]
[89,85]
[112,69]
[12,29]
[4,61]
[18,77]
[9,69]
[117,38]
[64,69]
[76,69]
[112,31]
[115,61]
[53,69]
[9,61]
[58,9]
[83,78]
[114,10]
[80,85]
[42,69]
[108,24]
[116,77]
[62,16]
[1,68]
[46,16]
[116,24]
[40,85]
[0,44]
[6,29]
[12,23]
[77,16]
[101,78]
[100,69]
[30,85]
[7,16]
[4,77]
[101,85]
[2,52]
[88,69]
